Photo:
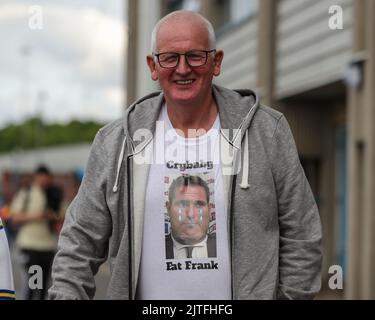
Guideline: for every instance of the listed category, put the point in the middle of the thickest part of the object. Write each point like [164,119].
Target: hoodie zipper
[130,222]
[231,226]
[232,185]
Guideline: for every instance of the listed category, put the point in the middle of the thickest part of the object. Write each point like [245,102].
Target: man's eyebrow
[182,201]
[188,201]
[201,202]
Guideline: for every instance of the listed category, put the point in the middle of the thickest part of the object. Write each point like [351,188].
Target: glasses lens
[196,58]
[168,60]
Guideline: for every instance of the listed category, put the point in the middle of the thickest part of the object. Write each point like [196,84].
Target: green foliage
[34,133]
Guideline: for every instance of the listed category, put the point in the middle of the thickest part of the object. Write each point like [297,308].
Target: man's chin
[189,240]
[184,97]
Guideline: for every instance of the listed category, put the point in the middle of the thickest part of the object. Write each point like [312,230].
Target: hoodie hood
[236,111]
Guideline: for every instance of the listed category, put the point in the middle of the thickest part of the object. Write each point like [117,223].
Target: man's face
[189,214]
[184,84]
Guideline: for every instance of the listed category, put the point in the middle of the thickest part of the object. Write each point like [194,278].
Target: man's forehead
[182,18]
[179,30]
[181,45]
[186,191]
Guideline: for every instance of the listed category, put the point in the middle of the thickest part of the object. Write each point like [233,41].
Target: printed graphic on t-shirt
[190,219]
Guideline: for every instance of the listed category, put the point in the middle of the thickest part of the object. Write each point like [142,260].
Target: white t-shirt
[6,276]
[185,250]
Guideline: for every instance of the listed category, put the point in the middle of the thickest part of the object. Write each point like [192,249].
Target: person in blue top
[6,276]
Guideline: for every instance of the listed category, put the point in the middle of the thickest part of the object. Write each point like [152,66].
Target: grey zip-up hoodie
[274,225]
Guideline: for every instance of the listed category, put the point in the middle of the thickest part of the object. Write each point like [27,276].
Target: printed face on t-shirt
[189,214]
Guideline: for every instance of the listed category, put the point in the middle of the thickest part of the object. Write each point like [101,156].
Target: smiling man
[258,206]
[184,61]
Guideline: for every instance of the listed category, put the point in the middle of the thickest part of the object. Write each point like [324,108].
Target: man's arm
[83,241]
[300,228]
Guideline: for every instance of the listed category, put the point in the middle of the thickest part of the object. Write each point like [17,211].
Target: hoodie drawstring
[246,164]
[119,163]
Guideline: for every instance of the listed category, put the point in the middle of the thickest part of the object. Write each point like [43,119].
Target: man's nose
[191,211]
[183,67]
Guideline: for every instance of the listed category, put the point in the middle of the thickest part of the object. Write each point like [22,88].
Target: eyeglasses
[194,58]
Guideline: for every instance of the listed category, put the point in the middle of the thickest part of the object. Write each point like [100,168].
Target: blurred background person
[54,195]
[65,197]
[18,204]
[35,237]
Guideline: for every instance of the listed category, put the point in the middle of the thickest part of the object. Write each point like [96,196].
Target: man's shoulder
[108,139]
[112,127]
[142,105]
[269,112]
[266,120]
[147,100]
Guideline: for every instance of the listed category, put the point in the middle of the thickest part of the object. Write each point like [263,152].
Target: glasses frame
[157,55]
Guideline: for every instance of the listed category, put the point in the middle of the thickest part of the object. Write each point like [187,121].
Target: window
[234,11]
[220,12]
[241,9]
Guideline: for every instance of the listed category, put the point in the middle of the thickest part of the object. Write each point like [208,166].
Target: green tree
[34,133]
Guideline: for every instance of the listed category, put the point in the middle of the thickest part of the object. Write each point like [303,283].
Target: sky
[62,60]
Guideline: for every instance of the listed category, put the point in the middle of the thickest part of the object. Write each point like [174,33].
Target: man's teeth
[184,81]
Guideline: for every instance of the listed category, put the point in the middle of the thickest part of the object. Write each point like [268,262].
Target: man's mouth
[190,224]
[184,82]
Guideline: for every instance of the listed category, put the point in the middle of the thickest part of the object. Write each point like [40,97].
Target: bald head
[184,16]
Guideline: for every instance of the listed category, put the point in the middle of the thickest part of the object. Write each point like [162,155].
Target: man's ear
[152,66]
[218,59]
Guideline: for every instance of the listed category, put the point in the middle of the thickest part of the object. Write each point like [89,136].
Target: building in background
[323,79]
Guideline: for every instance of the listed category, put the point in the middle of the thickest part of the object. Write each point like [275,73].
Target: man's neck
[194,119]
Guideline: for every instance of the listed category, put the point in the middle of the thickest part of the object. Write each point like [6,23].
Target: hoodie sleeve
[300,228]
[83,241]
[6,275]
